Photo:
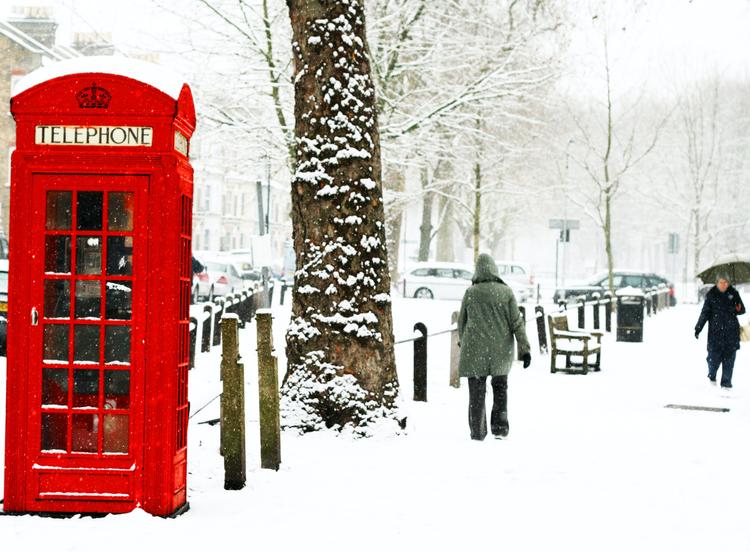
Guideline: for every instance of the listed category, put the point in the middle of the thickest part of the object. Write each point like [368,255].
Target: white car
[223,278]
[519,277]
[436,281]
[443,281]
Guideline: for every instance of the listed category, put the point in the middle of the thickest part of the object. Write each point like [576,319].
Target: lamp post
[564,233]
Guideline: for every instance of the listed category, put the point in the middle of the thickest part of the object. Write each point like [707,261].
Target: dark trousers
[725,359]
[477,409]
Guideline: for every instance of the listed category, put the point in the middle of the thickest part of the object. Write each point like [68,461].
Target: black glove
[526,360]
[697,334]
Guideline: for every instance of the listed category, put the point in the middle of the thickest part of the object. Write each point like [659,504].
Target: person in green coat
[487,325]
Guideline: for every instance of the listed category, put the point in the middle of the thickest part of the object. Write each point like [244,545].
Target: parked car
[519,277]
[201,284]
[220,278]
[436,281]
[3,306]
[620,279]
[444,281]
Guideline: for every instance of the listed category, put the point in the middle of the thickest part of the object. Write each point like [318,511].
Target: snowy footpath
[592,463]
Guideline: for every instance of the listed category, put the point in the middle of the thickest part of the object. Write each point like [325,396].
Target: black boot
[499,417]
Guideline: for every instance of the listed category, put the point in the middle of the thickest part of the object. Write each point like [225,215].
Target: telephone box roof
[149,73]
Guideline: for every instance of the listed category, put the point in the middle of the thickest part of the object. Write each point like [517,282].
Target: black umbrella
[737,268]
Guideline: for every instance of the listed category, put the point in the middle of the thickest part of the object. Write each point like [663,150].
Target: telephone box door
[86,359]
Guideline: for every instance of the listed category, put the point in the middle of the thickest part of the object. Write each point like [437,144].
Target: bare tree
[610,144]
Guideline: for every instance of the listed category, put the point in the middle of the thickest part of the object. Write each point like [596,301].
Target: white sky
[667,42]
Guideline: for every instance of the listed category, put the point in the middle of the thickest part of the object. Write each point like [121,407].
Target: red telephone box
[100,257]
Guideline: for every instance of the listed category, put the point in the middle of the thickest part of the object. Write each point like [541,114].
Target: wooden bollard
[455,381]
[420,363]
[232,406]
[268,392]
[541,329]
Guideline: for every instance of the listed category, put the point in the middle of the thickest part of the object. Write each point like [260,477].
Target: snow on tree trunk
[341,365]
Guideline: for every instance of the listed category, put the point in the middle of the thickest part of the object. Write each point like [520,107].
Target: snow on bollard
[268,386]
[232,405]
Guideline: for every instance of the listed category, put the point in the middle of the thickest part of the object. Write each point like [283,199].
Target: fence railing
[207,321]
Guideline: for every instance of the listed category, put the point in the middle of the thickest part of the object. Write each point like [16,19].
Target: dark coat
[720,310]
[488,322]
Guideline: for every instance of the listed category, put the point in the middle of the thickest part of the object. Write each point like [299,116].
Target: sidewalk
[593,462]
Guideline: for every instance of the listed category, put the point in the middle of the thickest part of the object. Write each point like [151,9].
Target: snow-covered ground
[592,463]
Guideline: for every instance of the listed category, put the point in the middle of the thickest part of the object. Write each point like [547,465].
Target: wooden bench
[580,344]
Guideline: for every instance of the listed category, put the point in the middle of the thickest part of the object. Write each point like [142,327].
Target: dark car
[620,279]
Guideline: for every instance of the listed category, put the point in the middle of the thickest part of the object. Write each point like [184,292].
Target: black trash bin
[630,307]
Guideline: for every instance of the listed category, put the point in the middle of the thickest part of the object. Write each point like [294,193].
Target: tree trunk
[608,240]
[697,239]
[476,231]
[341,366]
[425,229]
[394,216]
[444,246]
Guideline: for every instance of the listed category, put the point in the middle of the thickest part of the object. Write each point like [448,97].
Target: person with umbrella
[721,308]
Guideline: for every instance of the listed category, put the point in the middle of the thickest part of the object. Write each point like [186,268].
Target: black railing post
[420,363]
[608,312]
[541,330]
[193,338]
[219,302]
[206,330]
[597,306]
[582,314]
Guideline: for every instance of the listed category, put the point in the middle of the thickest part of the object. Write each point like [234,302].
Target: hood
[486,270]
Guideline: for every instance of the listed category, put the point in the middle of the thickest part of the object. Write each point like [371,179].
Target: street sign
[674,243]
[564,224]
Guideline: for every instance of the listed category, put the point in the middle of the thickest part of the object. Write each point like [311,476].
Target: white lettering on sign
[57,135]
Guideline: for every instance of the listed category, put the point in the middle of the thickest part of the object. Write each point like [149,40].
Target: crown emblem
[94,97]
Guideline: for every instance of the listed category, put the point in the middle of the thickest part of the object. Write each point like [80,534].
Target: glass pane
[85,388]
[56,342]
[56,299]
[115,437]
[54,387]
[89,210]
[120,255]
[59,211]
[119,303]
[85,432]
[120,211]
[117,344]
[116,389]
[86,343]
[57,254]
[88,299]
[89,255]
[54,432]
